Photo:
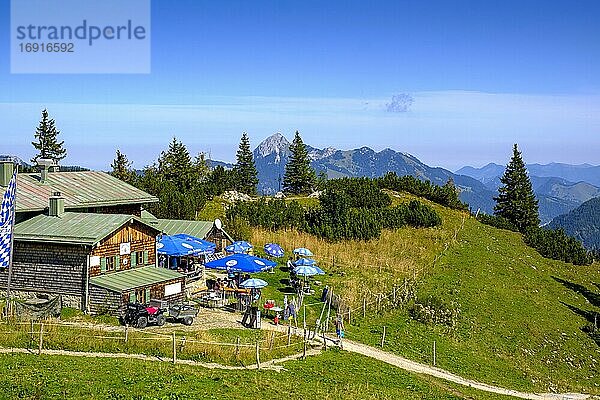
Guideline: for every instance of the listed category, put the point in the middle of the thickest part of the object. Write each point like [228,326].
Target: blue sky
[482,75]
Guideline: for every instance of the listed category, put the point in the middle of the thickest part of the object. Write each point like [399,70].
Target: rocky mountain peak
[275,144]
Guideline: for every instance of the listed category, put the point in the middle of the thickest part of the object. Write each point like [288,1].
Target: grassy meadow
[331,375]
[522,317]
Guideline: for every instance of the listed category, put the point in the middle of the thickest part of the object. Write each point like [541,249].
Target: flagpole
[12,248]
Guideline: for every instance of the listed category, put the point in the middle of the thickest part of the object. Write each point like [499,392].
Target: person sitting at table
[217,285]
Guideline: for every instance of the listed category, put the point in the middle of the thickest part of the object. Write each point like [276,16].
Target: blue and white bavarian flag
[7,220]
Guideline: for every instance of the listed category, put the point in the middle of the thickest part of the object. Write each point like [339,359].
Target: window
[110,263]
[139,257]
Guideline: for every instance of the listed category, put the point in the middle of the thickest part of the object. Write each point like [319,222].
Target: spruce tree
[121,168]
[46,140]
[175,165]
[299,177]
[245,170]
[516,201]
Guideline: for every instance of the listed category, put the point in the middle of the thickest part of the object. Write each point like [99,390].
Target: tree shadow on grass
[592,317]
[592,297]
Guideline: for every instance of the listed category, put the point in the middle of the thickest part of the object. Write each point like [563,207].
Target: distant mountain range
[557,194]
[583,223]
[559,187]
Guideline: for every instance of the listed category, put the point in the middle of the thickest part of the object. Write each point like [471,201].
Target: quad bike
[140,315]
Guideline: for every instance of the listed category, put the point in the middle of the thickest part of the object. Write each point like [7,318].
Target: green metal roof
[173,226]
[79,228]
[79,189]
[134,278]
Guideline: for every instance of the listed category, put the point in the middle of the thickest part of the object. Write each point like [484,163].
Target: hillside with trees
[582,223]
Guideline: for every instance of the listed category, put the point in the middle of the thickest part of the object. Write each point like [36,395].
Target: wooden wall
[103,300]
[219,238]
[48,268]
[141,238]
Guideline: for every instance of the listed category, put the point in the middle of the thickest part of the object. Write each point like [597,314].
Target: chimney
[45,165]
[7,168]
[56,207]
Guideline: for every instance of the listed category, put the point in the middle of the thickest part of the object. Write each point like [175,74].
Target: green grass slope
[521,316]
[331,375]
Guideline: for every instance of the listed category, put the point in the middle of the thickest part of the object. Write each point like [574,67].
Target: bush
[497,222]
[446,195]
[335,218]
[556,245]
[435,312]
[360,192]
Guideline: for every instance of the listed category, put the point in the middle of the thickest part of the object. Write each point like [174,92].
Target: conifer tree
[516,201]
[46,140]
[121,168]
[299,177]
[245,170]
[175,165]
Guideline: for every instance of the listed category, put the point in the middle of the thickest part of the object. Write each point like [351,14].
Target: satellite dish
[218,223]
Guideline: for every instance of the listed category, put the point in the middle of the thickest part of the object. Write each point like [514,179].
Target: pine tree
[299,177]
[175,165]
[46,140]
[245,170]
[121,168]
[516,201]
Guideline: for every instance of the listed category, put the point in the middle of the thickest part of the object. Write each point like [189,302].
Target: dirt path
[413,366]
[270,365]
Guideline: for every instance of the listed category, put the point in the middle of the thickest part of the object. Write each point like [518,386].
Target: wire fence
[232,349]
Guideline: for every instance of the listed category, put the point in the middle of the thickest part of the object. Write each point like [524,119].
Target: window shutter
[145,257]
[103,265]
[133,258]
[147,295]
[132,297]
[117,263]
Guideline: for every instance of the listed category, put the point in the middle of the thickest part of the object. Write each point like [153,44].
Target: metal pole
[12,246]
[434,353]
[383,337]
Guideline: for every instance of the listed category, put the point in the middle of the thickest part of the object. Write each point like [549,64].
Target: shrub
[555,244]
[435,312]
[497,222]
[446,195]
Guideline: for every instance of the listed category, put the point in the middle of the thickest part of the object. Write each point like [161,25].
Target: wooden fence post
[304,348]
[237,347]
[41,338]
[174,349]
[31,332]
[383,337]
[364,307]
[289,334]
[257,354]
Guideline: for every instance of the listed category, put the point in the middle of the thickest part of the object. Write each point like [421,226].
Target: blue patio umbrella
[241,263]
[254,283]
[305,270]
[205,245]
[274,250]
[304,252]
[319,270]
[239,247]
[305,261]
[177,247]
